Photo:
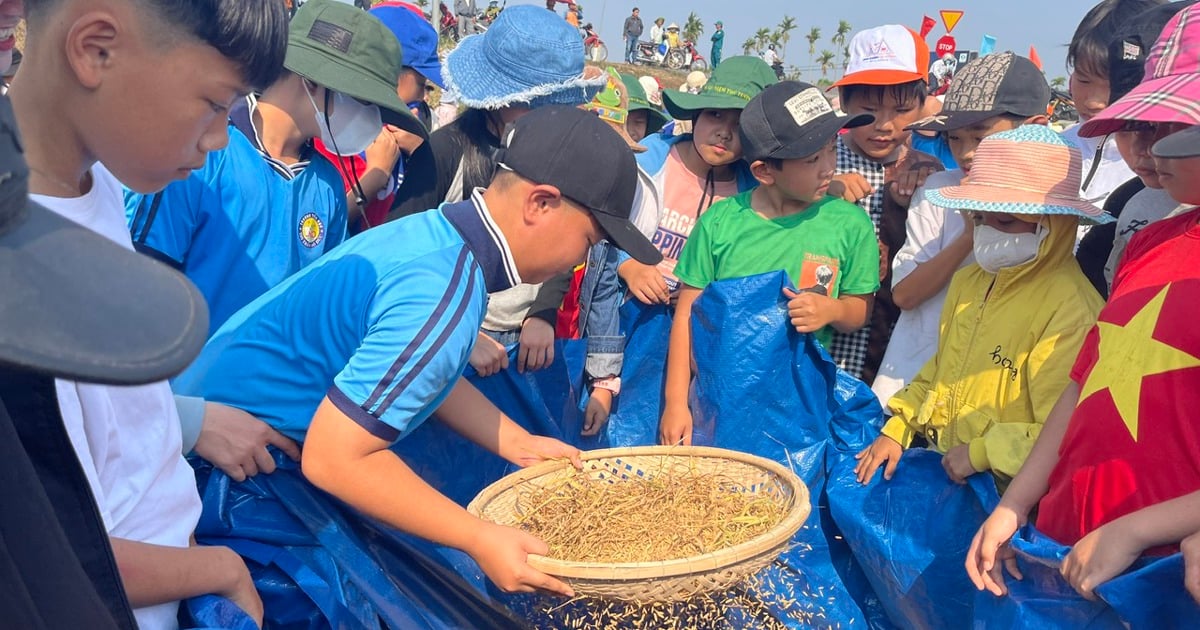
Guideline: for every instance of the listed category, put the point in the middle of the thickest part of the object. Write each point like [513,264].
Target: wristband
[612,384]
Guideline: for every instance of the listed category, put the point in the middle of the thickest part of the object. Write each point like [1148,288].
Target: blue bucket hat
[529,56]
[418,39]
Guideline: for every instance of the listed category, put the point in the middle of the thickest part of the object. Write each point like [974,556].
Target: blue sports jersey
[382,325]
[239,226]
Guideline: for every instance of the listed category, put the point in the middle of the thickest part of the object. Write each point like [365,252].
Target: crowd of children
[356,264]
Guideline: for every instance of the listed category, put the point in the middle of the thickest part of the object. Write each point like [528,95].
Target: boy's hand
[908,180]
[645,282]
[536,349]
[850,186]
[596,414]
[957,462]
[991,544]
[241,589]
[503,554]
[675,426]
[811,312]
[884,450]
[383,152]
[1191,564]
[530,449]
[236,442]
[488,356]
[1099,557]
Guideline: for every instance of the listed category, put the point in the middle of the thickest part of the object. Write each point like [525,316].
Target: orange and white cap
[886,55]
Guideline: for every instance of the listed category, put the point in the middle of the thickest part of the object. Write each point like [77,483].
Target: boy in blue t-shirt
[358,349]
[268,204]
[827,245]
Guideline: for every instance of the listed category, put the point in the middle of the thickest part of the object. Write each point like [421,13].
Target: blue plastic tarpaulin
[884,555]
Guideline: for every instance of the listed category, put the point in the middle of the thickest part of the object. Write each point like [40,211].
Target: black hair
[481,148]
[901,92]
[1125,69]
[1088,50]
[250,33]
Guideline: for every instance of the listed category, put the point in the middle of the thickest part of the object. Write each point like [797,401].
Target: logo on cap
[1130,51]
[807,106]
[312,230]
[880,51]
[332,35]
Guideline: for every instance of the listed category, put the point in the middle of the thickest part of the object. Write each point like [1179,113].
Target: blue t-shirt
[936,146]
[382,325]
[241,224]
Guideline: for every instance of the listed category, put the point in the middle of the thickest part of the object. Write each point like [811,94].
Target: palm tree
[825,60]
[786,26]
[813,37]
[749,45]
[762,36]
[845,58]
[693,27]
[843,29]
[776,38]
[1059,83]
[792,74]
[422,3]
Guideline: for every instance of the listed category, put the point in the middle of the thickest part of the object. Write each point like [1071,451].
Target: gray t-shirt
[1142,209]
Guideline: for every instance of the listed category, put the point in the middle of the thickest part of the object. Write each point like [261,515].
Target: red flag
[927,25]
[1033,56]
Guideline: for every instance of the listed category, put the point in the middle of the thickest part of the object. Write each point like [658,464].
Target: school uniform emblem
[312,230]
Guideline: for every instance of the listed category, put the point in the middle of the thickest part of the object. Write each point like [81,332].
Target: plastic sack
[635,413]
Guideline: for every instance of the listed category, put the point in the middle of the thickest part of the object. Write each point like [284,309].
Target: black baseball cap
[1181,144]
[790,120]
[1000,83]
[1127,53]
[581,155]
[76,305]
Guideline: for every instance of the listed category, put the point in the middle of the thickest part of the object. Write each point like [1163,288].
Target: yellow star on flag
[1128,354]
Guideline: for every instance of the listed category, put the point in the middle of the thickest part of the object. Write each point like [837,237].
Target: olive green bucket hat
[348,50]
[731,86]
[638,102]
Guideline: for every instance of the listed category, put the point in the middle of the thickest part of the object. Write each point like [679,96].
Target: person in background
[644,118]
[632,30]
[465,11]
[718,42]
[657,34]
[1127,55]
[671,36]
[878,170]
[362,172]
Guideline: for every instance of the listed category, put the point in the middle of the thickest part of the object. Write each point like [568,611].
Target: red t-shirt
[377,208]
[1134,438]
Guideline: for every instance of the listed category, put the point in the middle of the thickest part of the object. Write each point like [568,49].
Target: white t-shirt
[929,230]
[1145,207]
[128,438]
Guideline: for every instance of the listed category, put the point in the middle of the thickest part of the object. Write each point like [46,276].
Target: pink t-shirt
[682,194]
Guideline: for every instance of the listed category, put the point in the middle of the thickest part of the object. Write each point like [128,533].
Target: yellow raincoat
[1006,345]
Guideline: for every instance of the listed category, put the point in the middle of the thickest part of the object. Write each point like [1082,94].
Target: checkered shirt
[849,351]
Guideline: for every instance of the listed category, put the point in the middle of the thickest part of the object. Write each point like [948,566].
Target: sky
[1016,24]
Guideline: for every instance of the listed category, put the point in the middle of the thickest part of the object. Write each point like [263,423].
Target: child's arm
[676,424]
[1191,564]
[925,223]
[811,312]
[345,459]
[1026,489]
[1111,548]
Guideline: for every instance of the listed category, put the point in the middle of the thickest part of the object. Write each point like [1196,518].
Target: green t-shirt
[829,248]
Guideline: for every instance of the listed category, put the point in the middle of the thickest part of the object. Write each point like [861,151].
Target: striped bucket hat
[1170,89]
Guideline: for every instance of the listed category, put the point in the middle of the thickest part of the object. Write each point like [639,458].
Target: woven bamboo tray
[670,580]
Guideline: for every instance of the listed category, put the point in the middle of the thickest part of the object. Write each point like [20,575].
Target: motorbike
[593,47]
[686,56]
[778,68]
[678,58]
[448,27]
[1062,108]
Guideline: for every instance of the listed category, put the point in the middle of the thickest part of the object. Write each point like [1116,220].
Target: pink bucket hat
[1170,89]
[1028,170]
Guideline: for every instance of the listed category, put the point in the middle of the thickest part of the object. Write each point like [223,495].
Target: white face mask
[352,127]
[996,250]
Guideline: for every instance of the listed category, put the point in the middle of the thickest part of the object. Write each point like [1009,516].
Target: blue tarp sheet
[889,554]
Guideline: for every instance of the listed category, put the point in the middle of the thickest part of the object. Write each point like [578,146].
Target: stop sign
[945,45]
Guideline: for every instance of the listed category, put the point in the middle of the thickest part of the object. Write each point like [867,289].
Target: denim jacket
[601,293]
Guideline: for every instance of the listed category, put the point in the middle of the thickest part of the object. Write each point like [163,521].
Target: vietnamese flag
[1033,56]
[927,25]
